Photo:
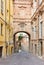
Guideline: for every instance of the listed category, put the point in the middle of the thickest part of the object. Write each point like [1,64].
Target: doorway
[35,48]
[1,52]
[41,48]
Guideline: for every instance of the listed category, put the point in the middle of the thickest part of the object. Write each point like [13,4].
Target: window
[34,5]
[32,29]
[34,32]
[35,0]
[2,7]
[40,1]
[40,27]
[1,29]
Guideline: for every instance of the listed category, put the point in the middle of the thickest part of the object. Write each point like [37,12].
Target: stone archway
[21,32]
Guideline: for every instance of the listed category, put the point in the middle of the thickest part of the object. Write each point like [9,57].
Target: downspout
[9,27]
[38,34]
[5,23]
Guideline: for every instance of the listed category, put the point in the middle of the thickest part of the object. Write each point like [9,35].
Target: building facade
[37,28]
[6,31]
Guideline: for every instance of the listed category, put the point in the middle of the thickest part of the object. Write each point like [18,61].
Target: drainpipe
[38,34]
[9,27]
[5,25]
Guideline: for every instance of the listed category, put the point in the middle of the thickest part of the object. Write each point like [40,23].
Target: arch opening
[24,42]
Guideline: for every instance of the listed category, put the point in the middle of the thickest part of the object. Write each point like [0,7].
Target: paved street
[21,58]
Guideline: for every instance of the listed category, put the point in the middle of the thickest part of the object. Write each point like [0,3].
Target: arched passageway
[24,43]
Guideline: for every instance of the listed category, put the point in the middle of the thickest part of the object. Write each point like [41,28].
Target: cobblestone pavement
[22,58]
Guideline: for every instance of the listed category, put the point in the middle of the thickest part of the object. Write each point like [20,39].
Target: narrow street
[22,28]
[22,58]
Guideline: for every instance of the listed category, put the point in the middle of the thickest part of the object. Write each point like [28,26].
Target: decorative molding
[35,18]
[22,18]
[21,21]
[23,7]
[22,3]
